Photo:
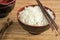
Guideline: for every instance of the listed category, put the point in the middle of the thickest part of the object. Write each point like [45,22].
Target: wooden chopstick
[6,26]
[48,17]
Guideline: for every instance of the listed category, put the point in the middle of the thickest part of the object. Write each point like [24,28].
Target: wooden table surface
[16,32]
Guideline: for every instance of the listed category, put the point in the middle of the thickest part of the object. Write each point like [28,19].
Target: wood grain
[16,32]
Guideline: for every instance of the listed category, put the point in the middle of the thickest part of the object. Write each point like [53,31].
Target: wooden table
[16,32]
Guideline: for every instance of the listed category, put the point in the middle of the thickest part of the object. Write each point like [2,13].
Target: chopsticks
[48,17]
[6,25]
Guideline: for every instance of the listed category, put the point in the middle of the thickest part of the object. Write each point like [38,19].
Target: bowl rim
[33,25]
[7,3]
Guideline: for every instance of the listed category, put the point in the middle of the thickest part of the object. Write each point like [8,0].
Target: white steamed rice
[34,16]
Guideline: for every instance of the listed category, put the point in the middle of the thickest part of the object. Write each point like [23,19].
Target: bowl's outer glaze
[4,11]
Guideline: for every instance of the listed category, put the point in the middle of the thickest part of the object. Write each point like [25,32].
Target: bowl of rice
[32,19]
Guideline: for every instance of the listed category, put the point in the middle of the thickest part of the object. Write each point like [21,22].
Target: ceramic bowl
[5,8]
[33,29]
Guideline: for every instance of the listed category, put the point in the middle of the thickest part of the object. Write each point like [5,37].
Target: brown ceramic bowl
[5,8]
[6,2]
[33,29]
